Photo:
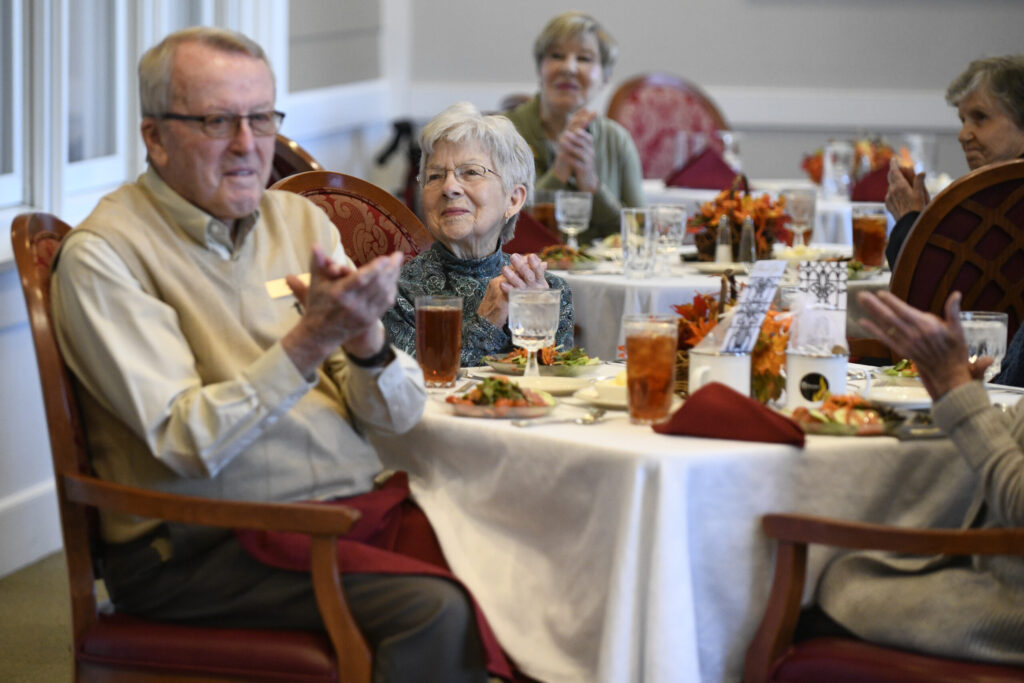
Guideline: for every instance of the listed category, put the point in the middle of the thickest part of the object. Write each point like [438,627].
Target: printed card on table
[755,300]
[825,281]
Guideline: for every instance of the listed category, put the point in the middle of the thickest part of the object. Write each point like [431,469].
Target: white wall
[788,73]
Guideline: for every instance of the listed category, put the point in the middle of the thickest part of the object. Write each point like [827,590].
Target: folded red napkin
[531,236]
[706,171]
[872,187]
[720,412]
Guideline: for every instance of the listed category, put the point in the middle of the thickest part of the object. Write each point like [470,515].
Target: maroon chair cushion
[872,187]
[251,654]
[843,660]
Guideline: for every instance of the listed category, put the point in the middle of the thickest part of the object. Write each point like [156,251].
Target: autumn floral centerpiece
[769,217]
[869,154]
[767,360]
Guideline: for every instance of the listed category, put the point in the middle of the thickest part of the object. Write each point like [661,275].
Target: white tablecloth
[601,299]
[832,221]
[610,553]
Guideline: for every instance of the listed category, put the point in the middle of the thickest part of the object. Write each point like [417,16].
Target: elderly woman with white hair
[476,173]
[989,99]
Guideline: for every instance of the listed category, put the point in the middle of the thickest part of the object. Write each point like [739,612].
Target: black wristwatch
[381,358]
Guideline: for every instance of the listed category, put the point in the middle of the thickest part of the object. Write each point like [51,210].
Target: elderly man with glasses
[174,304]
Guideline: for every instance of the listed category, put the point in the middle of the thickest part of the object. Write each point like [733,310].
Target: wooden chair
[370,220]
[654,108]
[772,656]
[289,159]
[970,238]
[108,646]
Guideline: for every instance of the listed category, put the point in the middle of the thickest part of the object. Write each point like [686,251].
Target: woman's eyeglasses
[466,175]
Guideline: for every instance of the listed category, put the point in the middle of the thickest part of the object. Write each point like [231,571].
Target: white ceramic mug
[807,376]
[711,365]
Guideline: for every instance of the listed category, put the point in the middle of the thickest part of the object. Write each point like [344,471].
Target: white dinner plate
[556,386]
[613,400]
[900,397]
[603,400]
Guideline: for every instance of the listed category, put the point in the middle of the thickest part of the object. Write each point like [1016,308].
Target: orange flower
[770,218]
[696,319]
[769,356]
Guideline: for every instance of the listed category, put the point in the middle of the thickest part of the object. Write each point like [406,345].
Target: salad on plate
[562,257]
[501,397]
[847,415]
[571,363]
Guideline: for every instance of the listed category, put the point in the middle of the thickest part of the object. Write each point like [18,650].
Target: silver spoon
[591,417]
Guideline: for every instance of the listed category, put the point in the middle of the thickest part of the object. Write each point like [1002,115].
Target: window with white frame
[11,102]
[95,97]
[91,63]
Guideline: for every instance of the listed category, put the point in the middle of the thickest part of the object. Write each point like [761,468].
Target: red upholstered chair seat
[365,231]
[370,220]
[249,654]
[654,109]
[842,660]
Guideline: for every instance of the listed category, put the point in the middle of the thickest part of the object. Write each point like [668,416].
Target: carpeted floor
[35,627]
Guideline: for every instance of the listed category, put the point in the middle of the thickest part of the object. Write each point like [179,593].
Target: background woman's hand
[936,345]
[523,272]
[902,197]
[574,154]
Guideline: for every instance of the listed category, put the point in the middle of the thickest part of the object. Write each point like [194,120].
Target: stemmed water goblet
[533,319]
[985,332]
[800,207]
[572,211]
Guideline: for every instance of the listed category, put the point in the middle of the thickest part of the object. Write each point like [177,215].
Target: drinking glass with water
[986,333]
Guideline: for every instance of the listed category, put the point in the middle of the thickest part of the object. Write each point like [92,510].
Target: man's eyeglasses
[262,123]
[467,175]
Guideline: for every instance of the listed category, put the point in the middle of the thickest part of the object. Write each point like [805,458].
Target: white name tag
[278,289]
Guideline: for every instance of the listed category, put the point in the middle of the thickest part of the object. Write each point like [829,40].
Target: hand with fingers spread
[342,306]
[936,345]
[904,195]
[523,272]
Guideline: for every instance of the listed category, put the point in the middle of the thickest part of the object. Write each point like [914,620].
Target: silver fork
[590,418]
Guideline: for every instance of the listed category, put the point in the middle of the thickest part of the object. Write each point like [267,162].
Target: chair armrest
[308,518]
[323,522]
[794,532]
[842,534]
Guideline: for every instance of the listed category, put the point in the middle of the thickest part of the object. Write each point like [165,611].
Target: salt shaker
[748,249]
[723,247]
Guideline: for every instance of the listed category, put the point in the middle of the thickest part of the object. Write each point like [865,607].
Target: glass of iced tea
[650,366]
[869,228]
[439,338]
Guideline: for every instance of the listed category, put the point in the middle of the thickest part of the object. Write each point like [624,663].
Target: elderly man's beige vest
[310,450]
